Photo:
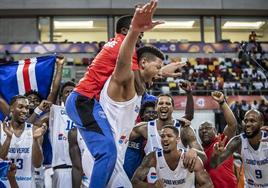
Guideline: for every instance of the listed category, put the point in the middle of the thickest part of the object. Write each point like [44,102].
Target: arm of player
[188,138]
[140,175]
[52,97]
[5,147]
[4,106]
[140,130]
[75,155]
[202,177]
[44,106]
[189,110]
[221,153]
[12,176]
[229,117]
[37,154]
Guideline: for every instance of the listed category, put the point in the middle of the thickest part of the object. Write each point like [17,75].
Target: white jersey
[60,124]
[122,117]
[179,178]
[87,160]
[20,152]
[255,163]
[153,137]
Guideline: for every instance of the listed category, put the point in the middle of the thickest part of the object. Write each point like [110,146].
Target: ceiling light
[79,24]
[242,25]
[177,24]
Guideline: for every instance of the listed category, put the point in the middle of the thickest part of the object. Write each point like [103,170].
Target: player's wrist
[38,111]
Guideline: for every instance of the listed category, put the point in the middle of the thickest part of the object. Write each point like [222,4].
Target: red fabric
[223,176]
[101,68]
[26,76]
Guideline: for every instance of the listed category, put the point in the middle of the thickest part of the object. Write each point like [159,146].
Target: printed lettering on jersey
[254,184]
[174,182]
[102,114]
[19,150]
[61,136]
[123,139]
[134,145]
[110,44]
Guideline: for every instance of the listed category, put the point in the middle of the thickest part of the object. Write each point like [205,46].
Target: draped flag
[19,77]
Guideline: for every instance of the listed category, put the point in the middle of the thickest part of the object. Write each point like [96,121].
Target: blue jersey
[134,156]
[47,149]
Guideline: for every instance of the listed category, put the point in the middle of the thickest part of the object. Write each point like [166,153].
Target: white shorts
[62,178]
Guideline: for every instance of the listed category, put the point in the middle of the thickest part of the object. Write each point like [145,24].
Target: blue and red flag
[19,77]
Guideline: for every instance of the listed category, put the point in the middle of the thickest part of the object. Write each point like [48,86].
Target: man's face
[151,69]
[252,124]
[34,101]
[20,110]
[168,140]
[149,114]
[206,133]
[66,92]
[164,108]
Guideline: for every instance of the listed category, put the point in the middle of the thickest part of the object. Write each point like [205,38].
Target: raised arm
[189,110]
[221,153]
[140,175]
[229,117]
[202,178]
[4,106]
[5,147]
[140,130]
[52,97]
[75,155]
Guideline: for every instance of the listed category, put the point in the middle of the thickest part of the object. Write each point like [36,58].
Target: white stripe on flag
[32,74]
[20,80]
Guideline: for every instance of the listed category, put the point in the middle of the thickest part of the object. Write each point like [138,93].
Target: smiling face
[20,110]
[164,108]
[252,123]
[206,133]
[168,140]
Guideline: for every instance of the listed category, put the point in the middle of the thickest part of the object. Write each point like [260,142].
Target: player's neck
[255,141]
[173,158]
[161,122]
[139,83]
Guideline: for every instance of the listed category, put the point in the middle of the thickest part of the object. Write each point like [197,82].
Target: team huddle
[106,131]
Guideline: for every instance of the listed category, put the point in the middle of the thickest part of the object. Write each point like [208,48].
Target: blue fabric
[47,149]
[101,145]
[134,156]
[44,70]
[148,98]
[4,167]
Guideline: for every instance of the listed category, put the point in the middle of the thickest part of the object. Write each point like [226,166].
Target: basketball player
[251,147]
[169,165]
[60,125]
[21,142]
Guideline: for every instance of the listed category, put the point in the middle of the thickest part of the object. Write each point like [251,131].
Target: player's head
[66,89]
[150,62]
[165,107]
[169,138]
[207,133]
[122,26]
[34,100]
[252,122]
[148,112]
[19,108]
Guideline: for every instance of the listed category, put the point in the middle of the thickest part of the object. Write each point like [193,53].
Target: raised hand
[143,17]
[7,128]
[40,131]
[219,146]
[60,59]
[45,105]
[184,122]
[170,69]
[217,96]
[189,159]
[185,85]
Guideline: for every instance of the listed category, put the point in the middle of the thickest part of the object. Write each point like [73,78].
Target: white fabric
[60,124]
[179,178]
[121,116]
[153,138]
[20,152]
[255,163]
[62,178]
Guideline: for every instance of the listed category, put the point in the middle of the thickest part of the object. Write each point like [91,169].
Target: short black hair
[68,83]
[34,92]
[166,95]
[123,22]
[146,105]
[150,52]
[175,129]
[15,98]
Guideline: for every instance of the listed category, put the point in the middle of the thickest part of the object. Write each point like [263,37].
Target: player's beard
[167,151]
[255,132]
